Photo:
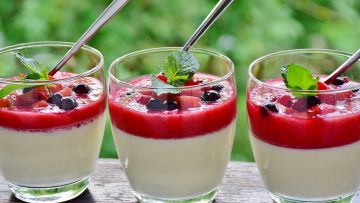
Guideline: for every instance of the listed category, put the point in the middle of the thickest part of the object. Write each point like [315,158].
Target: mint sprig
[297,77]
[37,72]
[179,68]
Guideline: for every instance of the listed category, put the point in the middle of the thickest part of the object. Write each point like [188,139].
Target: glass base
[209,197]
[50,194]
[279,199]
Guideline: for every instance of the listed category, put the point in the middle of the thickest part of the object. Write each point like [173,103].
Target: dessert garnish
[179,68]
[37,72]
[297,77]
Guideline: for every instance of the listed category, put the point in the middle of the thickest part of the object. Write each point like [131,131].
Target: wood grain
[241,184]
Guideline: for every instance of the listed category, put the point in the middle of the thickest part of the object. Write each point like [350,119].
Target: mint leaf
[38,72]
[297,77]
[180,67]
[12,87]
[33,76]
[161,85]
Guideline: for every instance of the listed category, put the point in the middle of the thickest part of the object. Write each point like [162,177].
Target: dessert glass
[309,151]
[47,154]
[177,155]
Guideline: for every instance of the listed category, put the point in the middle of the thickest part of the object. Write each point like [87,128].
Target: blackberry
[313,101]
[156,105]
[271,107]
[171,105]
[340,81]
[81,89]
[217,88]
[210,95]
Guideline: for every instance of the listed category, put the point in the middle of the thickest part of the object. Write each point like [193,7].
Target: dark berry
[340,81]
[211,95]
[355,90]
[156,104]
[171,105]
[81,88]
[68,103]
[217,88]
[313,101]
[263,111]
[56,99]
[271,107]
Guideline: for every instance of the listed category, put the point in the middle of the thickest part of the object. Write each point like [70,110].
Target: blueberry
[81,88]
[355,90]
[156,104]
[171,105]
[271,107]
[339,81]
[210,95]
[68,103]
[313,101]
[56,99]
[217,88]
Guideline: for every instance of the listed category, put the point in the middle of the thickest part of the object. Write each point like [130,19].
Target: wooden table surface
[241,184]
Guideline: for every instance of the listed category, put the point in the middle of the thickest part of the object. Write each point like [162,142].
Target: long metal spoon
[209,20]
[343,67]
[105,16]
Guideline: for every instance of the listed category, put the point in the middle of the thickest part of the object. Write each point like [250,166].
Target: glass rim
[60,44]
[170,49]
[299,51]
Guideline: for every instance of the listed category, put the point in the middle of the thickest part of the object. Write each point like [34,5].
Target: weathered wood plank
[241,184]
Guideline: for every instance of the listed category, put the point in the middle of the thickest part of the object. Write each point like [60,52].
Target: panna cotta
[306,149]
[174,146]
[51,136]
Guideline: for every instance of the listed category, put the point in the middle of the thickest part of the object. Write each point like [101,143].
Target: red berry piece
[285,100]
[143,99]
[81,89]
[322,86]
[186,102]
[300,105]
[162,77]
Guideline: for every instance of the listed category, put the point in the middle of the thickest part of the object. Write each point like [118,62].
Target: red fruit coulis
[132,116]
[323,125]
[43,117]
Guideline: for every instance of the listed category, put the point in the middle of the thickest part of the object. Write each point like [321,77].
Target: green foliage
[248,29]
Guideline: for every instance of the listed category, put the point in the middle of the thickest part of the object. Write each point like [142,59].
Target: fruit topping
[340,81]
[81,89]
[285,100]
[162,77]
[56,99]
[211,95]
[156,105]
[217,88]
[187,102]
[271,107]
[39,104]
[68,103]
[313,101]
[300,105]
[321,86]
[171,105]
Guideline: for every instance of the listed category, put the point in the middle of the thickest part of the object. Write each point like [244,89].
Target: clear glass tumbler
[306,143]
[50,129]
[173,147]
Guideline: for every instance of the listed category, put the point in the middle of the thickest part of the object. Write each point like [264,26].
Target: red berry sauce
[129,110]
[33,111]
[323,121]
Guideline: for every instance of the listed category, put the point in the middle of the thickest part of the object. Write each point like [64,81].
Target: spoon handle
[105,16]
[343,67]
[209,20]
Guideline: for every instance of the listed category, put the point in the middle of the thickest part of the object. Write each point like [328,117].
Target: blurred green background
[249,29]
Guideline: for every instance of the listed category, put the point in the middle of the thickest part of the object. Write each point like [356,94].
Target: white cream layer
[308,174]
[37,159]
[175,168]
